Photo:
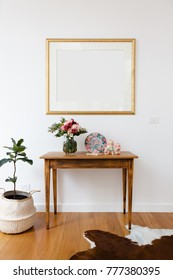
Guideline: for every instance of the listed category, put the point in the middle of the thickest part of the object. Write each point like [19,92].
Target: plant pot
[16,215]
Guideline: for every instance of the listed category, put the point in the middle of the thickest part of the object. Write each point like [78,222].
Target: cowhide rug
[141,244]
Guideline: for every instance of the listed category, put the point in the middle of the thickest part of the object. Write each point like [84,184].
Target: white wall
[24,26]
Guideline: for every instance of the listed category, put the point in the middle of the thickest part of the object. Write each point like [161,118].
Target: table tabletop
[85,155]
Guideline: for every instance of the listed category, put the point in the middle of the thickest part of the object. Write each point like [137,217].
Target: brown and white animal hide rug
[141,244]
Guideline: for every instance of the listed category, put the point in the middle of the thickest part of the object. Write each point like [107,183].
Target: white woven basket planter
[16,215]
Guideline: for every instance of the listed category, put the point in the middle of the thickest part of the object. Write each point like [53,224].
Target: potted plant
[68,129]
[16,207]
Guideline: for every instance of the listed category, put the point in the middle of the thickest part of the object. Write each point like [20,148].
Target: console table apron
[55,160]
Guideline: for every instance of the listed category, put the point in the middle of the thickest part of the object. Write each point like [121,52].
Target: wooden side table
[58,160]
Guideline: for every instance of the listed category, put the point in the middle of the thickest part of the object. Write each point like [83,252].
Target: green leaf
[22,154]
[62,120]
[11,154]
[59,134]
[10,179]
[5,160]
[18,149]
[54,127]
[30,161]
[21,149]
[10,148]
[20,142]
[14,142]
[15,148]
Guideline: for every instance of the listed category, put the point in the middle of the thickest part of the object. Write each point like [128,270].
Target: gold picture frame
[90,76]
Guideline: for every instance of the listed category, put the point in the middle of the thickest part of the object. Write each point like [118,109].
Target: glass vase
[69,146]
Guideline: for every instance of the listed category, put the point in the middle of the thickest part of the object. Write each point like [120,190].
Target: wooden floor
[65,236]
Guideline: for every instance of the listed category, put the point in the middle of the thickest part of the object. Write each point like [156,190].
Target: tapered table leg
[47,188]
[130,190]
[54,173]
[124,177]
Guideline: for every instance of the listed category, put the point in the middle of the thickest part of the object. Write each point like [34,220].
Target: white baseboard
[155,207]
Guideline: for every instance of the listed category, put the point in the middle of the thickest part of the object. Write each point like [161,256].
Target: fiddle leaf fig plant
[16,153]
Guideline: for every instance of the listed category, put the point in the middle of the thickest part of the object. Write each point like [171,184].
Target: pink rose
[70,123]
[64,127]
[75,128]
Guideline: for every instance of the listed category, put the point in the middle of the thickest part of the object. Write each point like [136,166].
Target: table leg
[47,188]
[130,190]
[124,177]
[54,173]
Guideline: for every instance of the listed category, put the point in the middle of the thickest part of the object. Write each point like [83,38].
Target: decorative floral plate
[95,143]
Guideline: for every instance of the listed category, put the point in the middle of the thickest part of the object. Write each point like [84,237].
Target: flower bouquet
[69,129]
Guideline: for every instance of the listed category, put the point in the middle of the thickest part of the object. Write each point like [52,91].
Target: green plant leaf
[5,160]
[15,148]
[30,161]
[20,142]
[62,120]
[11,154]
[18,149]
[22,154]
[10,179]
[10,148]
[14,142]
[21,149]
